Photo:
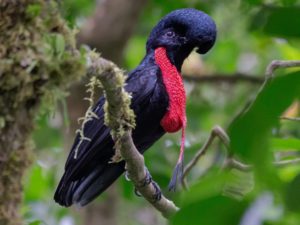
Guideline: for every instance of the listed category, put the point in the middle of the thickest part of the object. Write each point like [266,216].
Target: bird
[158,100]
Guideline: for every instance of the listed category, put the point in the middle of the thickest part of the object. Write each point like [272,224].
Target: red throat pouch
[175,118]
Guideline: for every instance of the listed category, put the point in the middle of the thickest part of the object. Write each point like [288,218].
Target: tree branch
[233,163]
[217,131]
[227,78]
[240,77]
[120,118]
[229,162]
[276,64]
[297,119]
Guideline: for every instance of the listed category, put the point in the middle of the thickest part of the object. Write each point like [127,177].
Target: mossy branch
[120,118]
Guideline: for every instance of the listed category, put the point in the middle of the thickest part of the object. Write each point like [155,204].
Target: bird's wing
[97,146]
[89,173]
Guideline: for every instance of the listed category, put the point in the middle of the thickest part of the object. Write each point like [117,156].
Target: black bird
[158,100]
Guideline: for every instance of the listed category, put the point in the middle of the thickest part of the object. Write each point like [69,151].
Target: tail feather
[84,190]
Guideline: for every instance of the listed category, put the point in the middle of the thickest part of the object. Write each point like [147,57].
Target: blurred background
[251,33]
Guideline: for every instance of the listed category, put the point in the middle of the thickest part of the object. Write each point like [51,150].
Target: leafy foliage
[251,34]
[273,21]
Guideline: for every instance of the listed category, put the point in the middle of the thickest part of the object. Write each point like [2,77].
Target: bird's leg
[157,195]
[148,180]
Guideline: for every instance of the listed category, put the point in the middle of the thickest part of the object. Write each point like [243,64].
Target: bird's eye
[170,34]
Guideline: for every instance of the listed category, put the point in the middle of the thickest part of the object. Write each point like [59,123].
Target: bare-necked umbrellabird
[158,101]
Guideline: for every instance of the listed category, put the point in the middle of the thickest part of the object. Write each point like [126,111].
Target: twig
[233,163]
[230,162]
[276,64]
[287,162]
[290,118]
[217,131]
[120,118]
[279,155]
[227,78]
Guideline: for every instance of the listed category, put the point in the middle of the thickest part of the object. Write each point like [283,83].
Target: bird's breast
[175,117]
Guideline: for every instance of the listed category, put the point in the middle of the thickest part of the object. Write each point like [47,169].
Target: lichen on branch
[119,119]
[89,114]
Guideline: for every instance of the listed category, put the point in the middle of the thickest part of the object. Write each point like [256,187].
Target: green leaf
[250,132]
[285,144]
[59,45]
[215,210]
[206,197]
[33,10]
[293,195]
[37,186]
[289,2]
[209,186]
[36,222]
[56,45]
[278,21]
[254,2]
[127,189]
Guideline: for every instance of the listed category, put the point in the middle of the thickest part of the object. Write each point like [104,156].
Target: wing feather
[90,173]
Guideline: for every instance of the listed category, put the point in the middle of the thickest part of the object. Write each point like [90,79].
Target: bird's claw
[137,193]
[148,180]
[157,195]
[127,176]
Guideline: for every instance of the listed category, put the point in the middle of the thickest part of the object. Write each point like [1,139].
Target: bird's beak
[203,45]
[199,51]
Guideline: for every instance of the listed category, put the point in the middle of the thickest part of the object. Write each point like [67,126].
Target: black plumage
[89,174]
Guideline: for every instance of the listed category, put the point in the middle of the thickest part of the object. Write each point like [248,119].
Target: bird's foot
[127,176]
[137,193]
[148,180]
[157,195]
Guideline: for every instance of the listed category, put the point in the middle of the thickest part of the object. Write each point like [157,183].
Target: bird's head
[180,32]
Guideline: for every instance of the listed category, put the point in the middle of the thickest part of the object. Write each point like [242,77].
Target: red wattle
[175,118]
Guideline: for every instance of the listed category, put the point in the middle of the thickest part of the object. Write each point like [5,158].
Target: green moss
[38,57]
[38,51]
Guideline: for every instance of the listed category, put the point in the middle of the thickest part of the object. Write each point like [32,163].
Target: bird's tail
[84,190]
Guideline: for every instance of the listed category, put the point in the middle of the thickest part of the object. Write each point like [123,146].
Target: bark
[108,30]
[29,71]
[15,158]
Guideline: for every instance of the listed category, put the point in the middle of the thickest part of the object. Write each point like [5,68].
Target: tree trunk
[15,158]
[29,70]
